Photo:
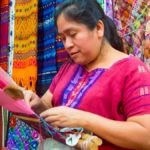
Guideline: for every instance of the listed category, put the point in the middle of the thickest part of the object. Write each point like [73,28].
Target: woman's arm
[132,134]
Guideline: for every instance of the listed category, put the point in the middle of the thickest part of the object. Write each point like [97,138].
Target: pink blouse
[121,91]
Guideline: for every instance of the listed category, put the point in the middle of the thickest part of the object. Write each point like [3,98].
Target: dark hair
[89,12]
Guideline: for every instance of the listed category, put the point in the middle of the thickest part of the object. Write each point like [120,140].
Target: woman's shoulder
[129,63]
[67,67]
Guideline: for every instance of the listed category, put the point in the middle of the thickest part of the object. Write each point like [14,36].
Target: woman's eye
[72,34]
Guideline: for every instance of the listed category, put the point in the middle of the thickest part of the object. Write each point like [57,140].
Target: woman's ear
[100,28]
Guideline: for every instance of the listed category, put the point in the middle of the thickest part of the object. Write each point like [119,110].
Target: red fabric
[4,25]
[121,91]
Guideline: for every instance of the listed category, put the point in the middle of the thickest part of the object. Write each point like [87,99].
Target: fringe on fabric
[25,43]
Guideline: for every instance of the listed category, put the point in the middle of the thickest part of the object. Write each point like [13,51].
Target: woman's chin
[79,62]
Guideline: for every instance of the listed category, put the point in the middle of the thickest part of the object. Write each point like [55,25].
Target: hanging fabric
[109,8]
[23,66]
[146,42]
[25,43]
[130,16]
[4,29]
[51,52]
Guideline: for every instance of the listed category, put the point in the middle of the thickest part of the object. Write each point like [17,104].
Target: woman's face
[82,45]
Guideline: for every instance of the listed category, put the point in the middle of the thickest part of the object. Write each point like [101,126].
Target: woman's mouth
[73,54]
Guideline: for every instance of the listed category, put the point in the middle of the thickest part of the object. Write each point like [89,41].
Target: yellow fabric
[25,43]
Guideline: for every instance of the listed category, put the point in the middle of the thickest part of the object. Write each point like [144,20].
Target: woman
[99,88]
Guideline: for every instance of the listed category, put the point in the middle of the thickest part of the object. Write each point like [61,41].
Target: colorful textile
[51,52]
[11,36]
[138,19]
[109,8]
[130,18]
[23,66]
[21,136]
[146,43]
[73,86]
[25,43]
[4,27]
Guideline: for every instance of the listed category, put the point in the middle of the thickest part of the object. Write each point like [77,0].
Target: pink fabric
[5,79]
[119,92]
[18,106]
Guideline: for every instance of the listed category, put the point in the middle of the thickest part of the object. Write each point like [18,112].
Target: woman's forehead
[64,24]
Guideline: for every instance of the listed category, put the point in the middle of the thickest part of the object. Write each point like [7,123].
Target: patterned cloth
[4,27]
[146,43]
[23,49]
[25,43]
[21,136]
[50,49]
[109,8]
[75,87]
[131,17]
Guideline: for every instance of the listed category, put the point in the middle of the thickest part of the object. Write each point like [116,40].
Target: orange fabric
[25,43]
[4,2]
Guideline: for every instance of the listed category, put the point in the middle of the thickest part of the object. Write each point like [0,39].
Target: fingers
[31,98]
[50,112]
[56,121]
[27,96]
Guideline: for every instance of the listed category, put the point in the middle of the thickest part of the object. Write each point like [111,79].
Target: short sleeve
[136,97]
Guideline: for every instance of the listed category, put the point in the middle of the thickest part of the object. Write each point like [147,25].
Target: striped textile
[51,52]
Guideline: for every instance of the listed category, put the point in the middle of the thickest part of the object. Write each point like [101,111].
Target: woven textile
[23,50]
[4,25]
[146,43]
[122,13]
[109,8]
[25,43]
[137,24]
[130,18]
[51,53]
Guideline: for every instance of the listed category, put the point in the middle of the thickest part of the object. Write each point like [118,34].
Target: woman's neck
[106,58]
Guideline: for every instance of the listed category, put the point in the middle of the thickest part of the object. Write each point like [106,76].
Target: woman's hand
[31,98]
[63,116]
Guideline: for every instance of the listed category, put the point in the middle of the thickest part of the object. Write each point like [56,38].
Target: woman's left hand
[63,116]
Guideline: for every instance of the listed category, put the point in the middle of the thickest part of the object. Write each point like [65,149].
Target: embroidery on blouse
[80,83]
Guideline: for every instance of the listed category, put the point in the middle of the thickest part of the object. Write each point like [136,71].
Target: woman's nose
[68,43]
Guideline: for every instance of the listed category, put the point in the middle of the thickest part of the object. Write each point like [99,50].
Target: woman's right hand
[31,98]
[38,104]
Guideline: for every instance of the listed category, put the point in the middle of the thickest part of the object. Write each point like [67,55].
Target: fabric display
[25,43]
[51,52]
[22,65]
[131,17]
[4,28]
